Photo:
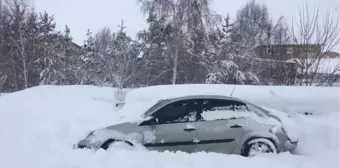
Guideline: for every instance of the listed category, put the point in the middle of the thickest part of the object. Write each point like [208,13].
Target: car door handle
[235,126]
[189,129]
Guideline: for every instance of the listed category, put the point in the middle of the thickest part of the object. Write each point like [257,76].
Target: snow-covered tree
[32,51]
[253,21]
[183,16]
[58,65]
[124,58]
[156,56]
[230,60]
[192,64]
[110,59]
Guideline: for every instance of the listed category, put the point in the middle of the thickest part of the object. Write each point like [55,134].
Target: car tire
[106,145]
[258,146]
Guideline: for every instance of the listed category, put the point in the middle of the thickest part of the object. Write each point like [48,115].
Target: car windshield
[259,111]
[157,105]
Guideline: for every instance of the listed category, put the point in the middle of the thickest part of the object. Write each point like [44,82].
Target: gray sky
[81,15]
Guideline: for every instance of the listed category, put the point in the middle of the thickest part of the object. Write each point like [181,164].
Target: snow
[217,115]
[189,126]
[277,99]
[149,136]
[287,123]
[40,125]
[322,66]
[3,94]
[290,99]
[108,134]
[329,66]
[225,114]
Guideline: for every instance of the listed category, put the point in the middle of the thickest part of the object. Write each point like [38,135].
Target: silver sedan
[197,123]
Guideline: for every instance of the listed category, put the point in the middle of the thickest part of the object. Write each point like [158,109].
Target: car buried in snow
[209,123]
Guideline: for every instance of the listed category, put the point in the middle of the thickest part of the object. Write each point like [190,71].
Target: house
[273,63]
[284,63]
[283,52]
[275,72]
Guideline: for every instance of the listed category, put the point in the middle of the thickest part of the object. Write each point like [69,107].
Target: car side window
[217,109]
[178,112]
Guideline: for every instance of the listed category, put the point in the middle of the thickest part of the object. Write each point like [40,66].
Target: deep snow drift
[286,98]
[38,127]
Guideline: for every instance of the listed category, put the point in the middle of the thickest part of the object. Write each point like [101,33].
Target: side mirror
[149,121]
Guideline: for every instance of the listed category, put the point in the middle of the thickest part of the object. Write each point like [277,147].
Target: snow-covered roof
[173,91]
[324,66]
[329,65]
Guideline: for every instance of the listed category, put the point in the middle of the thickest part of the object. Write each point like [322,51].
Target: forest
[186,42]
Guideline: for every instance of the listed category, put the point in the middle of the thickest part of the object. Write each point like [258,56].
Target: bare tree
[111,59]
[253,21]
[315,34]
[184,16]
[18,11]
[279,37]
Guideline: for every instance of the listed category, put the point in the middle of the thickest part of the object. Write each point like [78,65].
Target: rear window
[219,109]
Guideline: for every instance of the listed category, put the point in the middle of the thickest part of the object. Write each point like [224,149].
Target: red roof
[331,54]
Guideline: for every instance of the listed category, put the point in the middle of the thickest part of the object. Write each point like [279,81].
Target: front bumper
[82,144]
[79,146]
[88,144]
[290,146]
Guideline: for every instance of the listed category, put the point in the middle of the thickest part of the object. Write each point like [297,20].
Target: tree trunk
[15,77]
[24,70]
[174,73]
[23,57]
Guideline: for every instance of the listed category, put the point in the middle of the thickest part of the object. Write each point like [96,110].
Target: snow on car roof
[300,99]
[174,91]
[138,101]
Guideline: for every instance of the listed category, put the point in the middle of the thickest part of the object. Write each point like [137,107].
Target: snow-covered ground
[38,127]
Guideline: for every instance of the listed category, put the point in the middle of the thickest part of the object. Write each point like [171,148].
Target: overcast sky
[81,15]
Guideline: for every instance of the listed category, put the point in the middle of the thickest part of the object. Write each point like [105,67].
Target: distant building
[284,52]
[283,63]
[331,54]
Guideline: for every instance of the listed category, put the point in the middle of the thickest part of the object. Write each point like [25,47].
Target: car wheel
[259,146]
[116,143]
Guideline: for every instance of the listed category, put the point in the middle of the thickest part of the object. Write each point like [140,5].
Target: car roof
[174,99]
[201,97]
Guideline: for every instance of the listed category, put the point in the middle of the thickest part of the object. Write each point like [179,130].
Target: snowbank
[63,113]
[290,99]
[38,127]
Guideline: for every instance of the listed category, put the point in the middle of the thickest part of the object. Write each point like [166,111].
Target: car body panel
[172,137]
[222,136]
[130,132]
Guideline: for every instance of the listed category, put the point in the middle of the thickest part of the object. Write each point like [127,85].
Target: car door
[222,125]
[174,127]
